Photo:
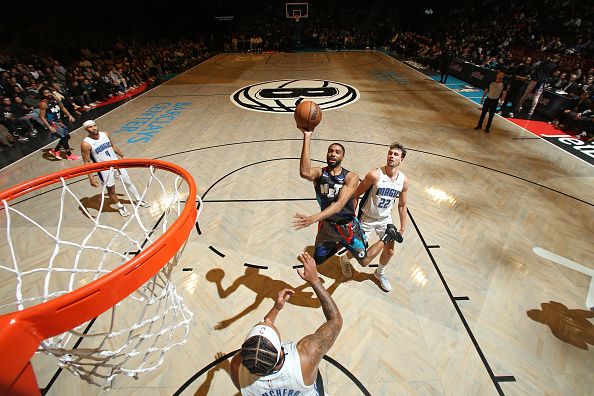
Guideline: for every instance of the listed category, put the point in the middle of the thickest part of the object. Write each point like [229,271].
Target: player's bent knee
[362,258]
[363,262]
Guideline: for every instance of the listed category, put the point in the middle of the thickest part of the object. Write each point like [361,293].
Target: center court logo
[282,96]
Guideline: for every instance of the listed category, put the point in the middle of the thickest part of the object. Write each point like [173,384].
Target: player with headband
[264,365]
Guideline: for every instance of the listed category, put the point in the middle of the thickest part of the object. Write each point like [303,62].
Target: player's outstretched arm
[314,346]
[234,369]
[402,206]
[307,171]
[65,110]
[281,298]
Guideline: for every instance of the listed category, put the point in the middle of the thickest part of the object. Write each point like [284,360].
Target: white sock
[119,205]
[133,191]
[381,269]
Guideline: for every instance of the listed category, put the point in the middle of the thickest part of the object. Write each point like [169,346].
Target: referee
[495,96]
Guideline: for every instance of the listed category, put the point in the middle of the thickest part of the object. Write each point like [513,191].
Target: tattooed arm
[313,347]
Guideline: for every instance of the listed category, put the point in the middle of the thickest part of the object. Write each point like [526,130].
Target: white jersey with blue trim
[287,381]
[378,201]
[101,149]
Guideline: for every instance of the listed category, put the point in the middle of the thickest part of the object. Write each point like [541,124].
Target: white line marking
[573,265]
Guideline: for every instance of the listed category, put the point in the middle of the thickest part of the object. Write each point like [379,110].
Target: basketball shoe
[123,211]
[345,266]
[73,157]
[55,154]
[383,279]
[144,204]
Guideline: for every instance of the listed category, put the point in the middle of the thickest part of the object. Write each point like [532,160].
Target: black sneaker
[392,234]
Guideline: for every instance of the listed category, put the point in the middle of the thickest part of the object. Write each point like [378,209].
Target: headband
[268,333]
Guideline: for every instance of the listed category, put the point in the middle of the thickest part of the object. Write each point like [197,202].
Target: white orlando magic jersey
[287,381]
[101,149]
[378,201]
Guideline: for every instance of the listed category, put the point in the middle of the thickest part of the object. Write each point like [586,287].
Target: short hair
[258,355]
[340,145]
[400,147]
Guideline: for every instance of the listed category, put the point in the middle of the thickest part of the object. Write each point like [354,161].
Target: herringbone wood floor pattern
[485,199]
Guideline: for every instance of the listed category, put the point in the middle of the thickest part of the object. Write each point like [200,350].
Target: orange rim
[21,332]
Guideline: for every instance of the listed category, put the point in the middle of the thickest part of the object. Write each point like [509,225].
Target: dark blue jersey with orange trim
[327,189]
[53,112]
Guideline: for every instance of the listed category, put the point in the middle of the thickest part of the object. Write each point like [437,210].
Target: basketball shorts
[61,130]
[349,235]
[369,225]
[108,177]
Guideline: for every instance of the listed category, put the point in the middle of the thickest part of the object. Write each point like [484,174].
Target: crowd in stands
[94,77]
[485,33]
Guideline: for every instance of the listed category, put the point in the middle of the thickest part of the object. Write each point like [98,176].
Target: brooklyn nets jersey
[101,149]
[327,188]
[287,381]
[378,201]
[53,113]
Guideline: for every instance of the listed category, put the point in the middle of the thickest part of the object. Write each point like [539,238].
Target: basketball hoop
[297,11]
[50,319]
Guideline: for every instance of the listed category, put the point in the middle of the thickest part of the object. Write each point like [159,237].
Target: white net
[73,241]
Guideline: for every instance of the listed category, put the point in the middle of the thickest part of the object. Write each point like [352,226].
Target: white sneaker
[144,204]
[345,266]
[384,283]
[123,211]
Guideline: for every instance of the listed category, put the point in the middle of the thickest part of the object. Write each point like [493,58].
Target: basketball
[308,115]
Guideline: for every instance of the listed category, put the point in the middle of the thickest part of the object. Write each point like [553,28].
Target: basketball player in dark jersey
[50,112]
[337,223]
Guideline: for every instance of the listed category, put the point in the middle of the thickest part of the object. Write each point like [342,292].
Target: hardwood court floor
[474,311]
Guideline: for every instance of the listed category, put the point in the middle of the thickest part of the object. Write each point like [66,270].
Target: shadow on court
[569,325]
[205,386]
[94,203]
[266,287]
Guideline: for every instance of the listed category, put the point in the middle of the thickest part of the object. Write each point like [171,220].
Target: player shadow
[94,203]
[205,386]
[569,325]
[266,287]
